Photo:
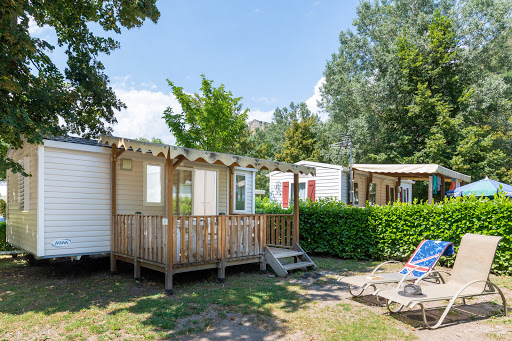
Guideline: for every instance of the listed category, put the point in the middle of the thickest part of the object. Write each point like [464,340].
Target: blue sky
[268,52]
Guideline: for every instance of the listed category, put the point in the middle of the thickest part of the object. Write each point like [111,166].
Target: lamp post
[346,142]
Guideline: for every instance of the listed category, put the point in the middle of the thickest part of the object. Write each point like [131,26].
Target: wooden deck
[189,243]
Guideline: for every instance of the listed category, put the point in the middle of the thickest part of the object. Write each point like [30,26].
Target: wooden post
[296,235]
[397,185]
[443,187]
[430,189]
[137,224]
[222,246]
[113,207]
[170,226]
[263,242]
[230,189]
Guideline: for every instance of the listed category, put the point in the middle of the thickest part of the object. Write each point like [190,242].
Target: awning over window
[204,156]
[412,171]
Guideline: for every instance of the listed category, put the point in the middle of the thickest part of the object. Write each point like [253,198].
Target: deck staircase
[280,259]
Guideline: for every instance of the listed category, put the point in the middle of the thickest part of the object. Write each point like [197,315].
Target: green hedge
[394,231]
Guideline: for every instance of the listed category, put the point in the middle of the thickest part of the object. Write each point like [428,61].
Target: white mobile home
[375,184]
[114,196]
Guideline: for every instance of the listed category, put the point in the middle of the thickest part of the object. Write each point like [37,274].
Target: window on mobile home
[182,192]
[302,191]
[153,185]
[373,194]
[240,192]
[356,194]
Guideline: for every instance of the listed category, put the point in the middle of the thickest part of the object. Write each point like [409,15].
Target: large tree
[213,120]
[36,97]
[426,81]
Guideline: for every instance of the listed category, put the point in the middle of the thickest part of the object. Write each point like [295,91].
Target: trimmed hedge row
[394,231]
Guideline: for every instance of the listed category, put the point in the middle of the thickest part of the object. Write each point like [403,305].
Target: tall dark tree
[36,98]
[426,81]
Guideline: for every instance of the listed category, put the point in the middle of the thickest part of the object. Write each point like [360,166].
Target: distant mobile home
[377,184]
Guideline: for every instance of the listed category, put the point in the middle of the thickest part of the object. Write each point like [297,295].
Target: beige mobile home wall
[130,184]
[22,226]
[76,198]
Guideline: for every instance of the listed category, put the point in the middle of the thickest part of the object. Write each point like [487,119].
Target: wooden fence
[196,239]
[279,230]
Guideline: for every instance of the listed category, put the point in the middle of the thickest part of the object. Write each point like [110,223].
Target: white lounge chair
[469,278]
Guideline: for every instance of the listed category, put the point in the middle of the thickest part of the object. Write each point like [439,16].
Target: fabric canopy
[204,156]
[485,187]
[412,171]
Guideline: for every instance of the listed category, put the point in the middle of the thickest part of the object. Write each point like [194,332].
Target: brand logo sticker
[61,242]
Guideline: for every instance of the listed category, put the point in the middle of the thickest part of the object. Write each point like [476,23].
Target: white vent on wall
[24,186]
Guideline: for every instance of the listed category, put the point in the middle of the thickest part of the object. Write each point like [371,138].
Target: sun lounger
[422,261]
[470,278]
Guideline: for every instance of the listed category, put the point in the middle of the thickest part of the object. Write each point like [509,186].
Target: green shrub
[4,246]
[2,207]
[266,206]
[394,231]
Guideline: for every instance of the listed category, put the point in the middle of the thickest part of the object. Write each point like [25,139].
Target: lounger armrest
[428,273]
[491,285]
[382,264]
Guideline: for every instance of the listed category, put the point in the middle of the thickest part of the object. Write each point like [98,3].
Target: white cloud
[35,30]
[312,102]
[265,116]
[143,117]
[265,100]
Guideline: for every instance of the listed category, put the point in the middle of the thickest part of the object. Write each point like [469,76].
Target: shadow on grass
[459,314]
[86,289]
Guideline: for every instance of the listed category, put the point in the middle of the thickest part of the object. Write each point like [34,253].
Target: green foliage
[330,226]
[266,206]
[426,82]
[4,246]
[294,134]
[185,206]
[213,120]
[301,141]
[36,98]
[3,207]
[153,140]
[394,231]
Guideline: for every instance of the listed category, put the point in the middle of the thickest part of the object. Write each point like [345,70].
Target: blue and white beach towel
[426,256]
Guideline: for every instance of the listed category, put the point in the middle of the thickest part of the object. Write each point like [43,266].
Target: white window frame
[145,184]
[246,176]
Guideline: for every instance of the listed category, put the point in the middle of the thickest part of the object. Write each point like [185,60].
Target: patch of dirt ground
[481,319]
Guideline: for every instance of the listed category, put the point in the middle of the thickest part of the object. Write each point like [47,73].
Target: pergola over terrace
[172,243]
[418,172]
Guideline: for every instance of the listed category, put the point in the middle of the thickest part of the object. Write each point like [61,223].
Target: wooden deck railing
[196,239]
[140,236]
[279,230]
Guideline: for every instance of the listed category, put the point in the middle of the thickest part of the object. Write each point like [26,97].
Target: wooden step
[286,253]
[299,265]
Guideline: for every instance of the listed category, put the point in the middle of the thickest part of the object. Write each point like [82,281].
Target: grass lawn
[82,301]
